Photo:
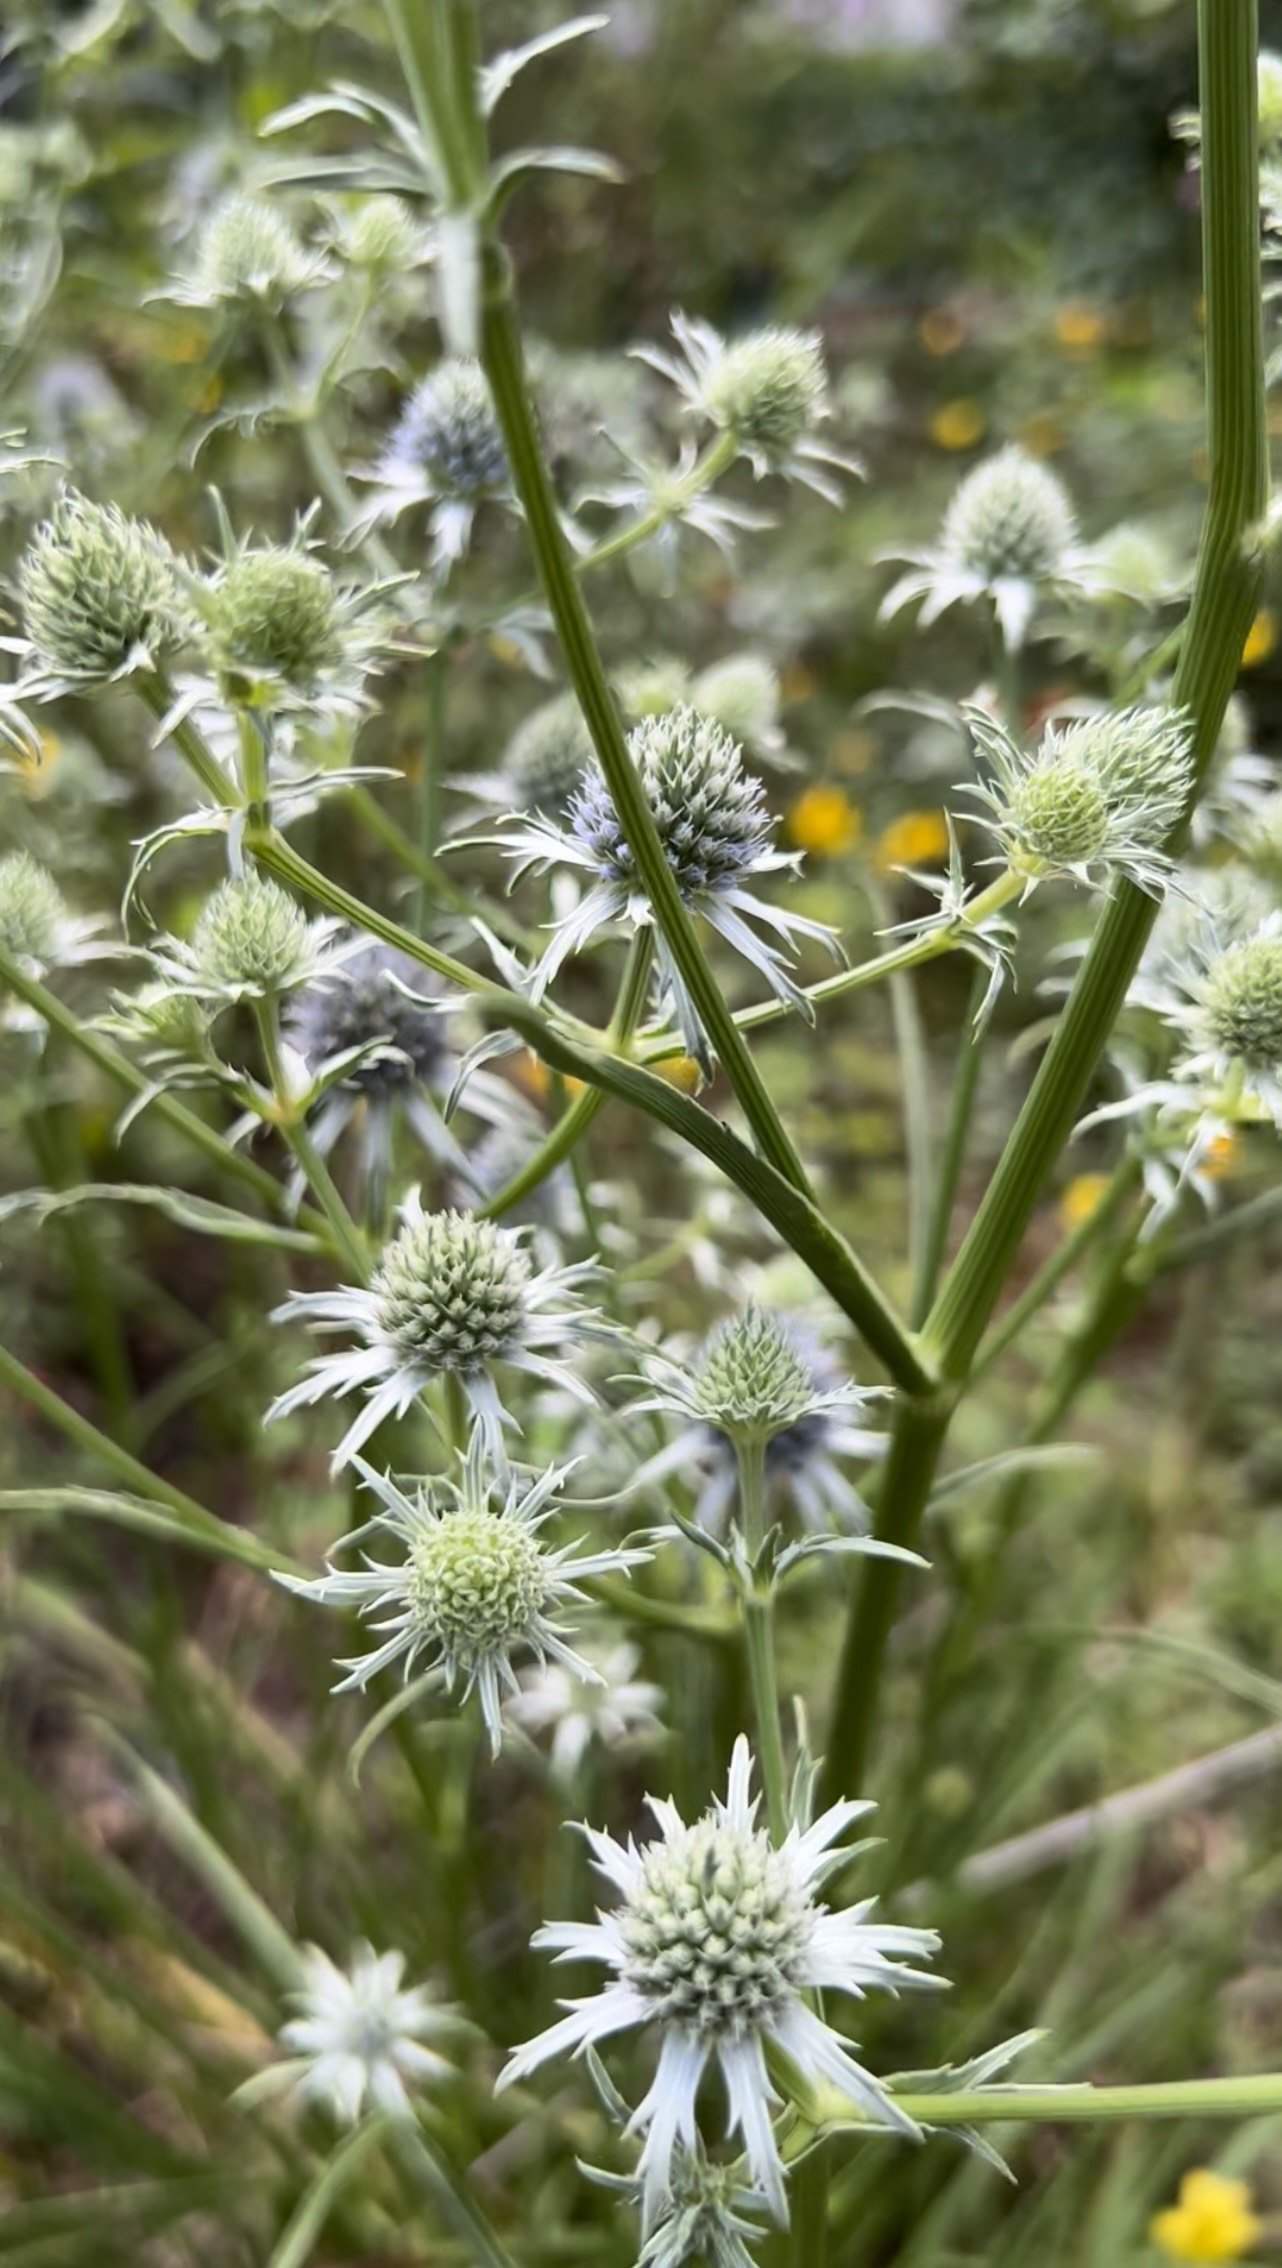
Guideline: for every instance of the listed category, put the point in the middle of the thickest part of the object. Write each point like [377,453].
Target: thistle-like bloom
[1228,1005]
[542,764]
[358,2041]
[249,255]
[476,1582]
[716,833]
[717,1937]
[1097,798]
[1008,535]
[619,1712]
[381,235]
[252,942]
[37,927]
[453,1296]
[446,450]
[100,597]
[768,391]
[282,632]
[759,1380]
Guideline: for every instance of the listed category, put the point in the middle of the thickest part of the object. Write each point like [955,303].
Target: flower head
[546,757]
[759,1380]
[476,1582]
[100,595]
[620,1711]
[716,1937]
[824,821]
[445,450]
[358,2041]
[252,942]
[249,255]
[273,613]
[453,1296]
[381,234]
[1008,534]
[37,927]
[742,693]
[1096,798]
[716,834]
[1212,2221]
[706,2219]
[768,391]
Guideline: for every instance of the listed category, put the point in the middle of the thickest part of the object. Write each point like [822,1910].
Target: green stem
[573,1124]
[1225,593]
[944,1193]
[1060,1264]
[432,2172]
[158,693]
[347,1237]
[307,2222]
[1257,2096]
[431,781]
[759,1638]
[707,469]
[501,353]
[431,873]
[56,1146]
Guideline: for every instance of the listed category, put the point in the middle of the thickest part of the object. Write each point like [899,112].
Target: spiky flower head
[249,253]
[274,613]
[547,755]
[761,1381]
[1241,999]
[453,1296]
[1096,798]
[374,1001]
[32,909]
[99,593]
[477,1581]
[710,813]
[650,688]
[711,2217]
[742,693]
[717,1937]
[358,2040]
[253,936]
[622,1711]
[448,435]
[716,833]
[767,391]
[381,234]
[1009,517]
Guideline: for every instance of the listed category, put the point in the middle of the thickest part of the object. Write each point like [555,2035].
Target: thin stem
[586,1108]
[759,1638]
[158,693]
[306,2226]
[431,872]
[1257,2096]
[432,2172]
[347,1237]
[1060,1264]
[707,469]
[501,354]
[431,781]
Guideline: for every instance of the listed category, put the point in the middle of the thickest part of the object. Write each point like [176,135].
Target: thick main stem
[1225,593]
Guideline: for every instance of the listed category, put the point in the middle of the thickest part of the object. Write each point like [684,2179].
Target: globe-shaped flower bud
[474,1583]
[273,613]
[547,756]
[450,1291]
[1143,756]
[99,592]
[33,910]
[651,688]
[382,235]
[249,252]
[1097,797]
[710,813]
[752,1379]
[769,390]
[448,435]
[742,693]
[1011,518]
[252,937]
[1242,1003]
[1057,815]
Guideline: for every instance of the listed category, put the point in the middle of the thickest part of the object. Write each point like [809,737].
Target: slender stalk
[944,1194]
[431,780]
[1225,592]
[56,1146]
[501,354]
[1060,1264]
[431,873]
[706,470]
[759,1639]
[1257,2096]
[347,1236]
[157,691]
[306,2226]
[432,2173]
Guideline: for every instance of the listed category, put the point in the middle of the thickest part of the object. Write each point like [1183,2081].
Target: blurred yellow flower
[1080,327]
[958,425]
[1043,434]
[1082,1199]
[1212,2221]
[682,1072]
[941,330]
[914,839]
[824,821]
[797,682]
[1261,639]
[33,767]
[1221,1155]
[533,1074]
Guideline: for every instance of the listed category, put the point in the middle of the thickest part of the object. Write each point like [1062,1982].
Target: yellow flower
[1261,639]
[1043,434]
[941,330]
[824,822]
[1081,1199]
[1221,1155]
[1212,2221]
[958,425]
[913,840]
[797,682]
[33,767]
[1080,328]
[682,1072]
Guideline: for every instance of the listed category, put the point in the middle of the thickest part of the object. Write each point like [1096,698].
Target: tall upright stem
[759,1639]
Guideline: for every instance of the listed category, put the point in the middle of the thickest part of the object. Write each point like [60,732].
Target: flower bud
[448,433]
[32,909]
[274,613]
[1242,1002]
[769,390]
[252,935]
[249,252]
[1009,518]
[547,755]
[99,591]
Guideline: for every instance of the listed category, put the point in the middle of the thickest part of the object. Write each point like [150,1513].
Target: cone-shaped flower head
[1009,517]
[32,909]
[716,1938]
[450,433]
[477,1582]
[249,252]
[274,613]
[1095,799]
[454,1295]
[547,756]
[376,996]
[99,593]
[769,389]
[252,937]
